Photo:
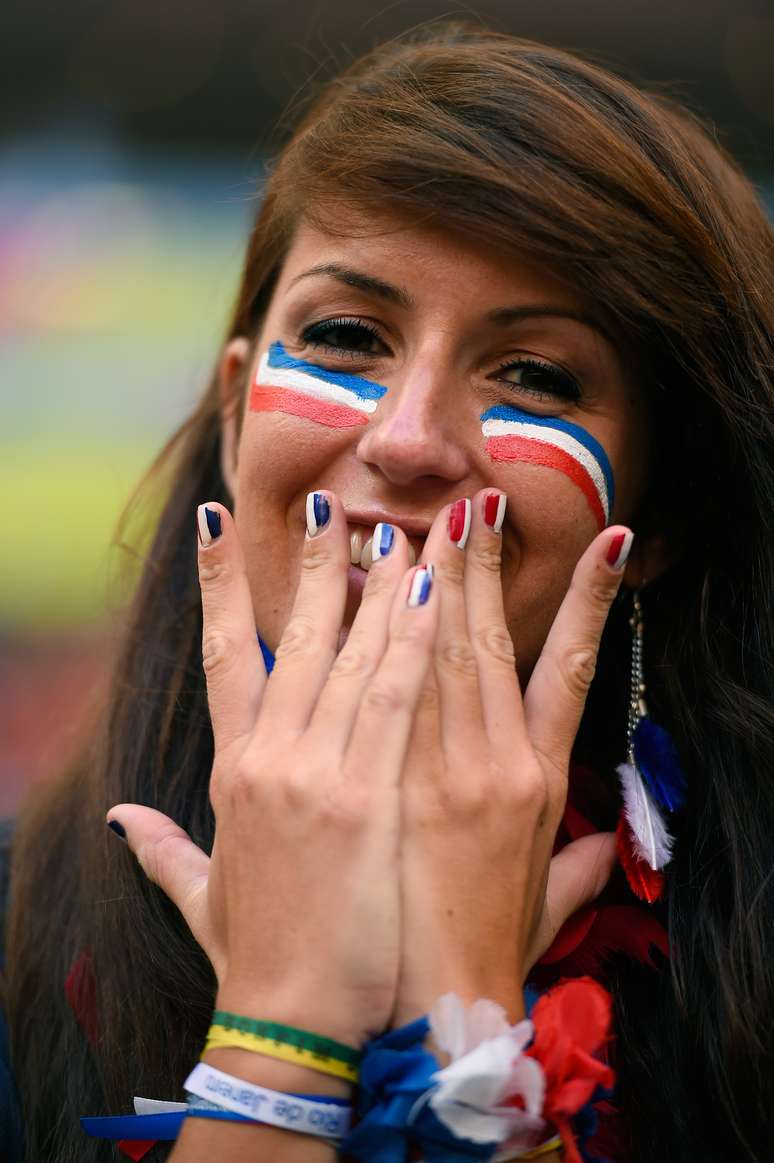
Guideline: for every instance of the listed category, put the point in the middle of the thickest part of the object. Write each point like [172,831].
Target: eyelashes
[358,339]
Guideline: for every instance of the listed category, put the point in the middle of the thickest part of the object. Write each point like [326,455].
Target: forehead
[426,260]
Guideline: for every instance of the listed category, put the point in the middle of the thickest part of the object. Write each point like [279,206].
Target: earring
[652,784]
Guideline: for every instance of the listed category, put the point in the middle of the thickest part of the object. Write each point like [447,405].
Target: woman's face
[453,352]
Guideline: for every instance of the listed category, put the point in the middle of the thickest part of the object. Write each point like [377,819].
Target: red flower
[572,1023]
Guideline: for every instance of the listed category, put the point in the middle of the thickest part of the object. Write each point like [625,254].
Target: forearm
[204,1140]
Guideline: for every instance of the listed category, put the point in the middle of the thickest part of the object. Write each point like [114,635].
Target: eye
[347,336]
[541,380]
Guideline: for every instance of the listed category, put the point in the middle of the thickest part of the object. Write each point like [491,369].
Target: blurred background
[132,137]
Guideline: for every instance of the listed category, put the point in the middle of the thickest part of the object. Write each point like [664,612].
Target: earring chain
[637,707]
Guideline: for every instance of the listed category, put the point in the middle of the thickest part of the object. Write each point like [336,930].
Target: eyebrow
[501,316]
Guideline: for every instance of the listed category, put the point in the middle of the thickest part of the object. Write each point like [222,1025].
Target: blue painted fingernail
[384,538]
[318,513]
[208,524]
[119,829]
[421,584]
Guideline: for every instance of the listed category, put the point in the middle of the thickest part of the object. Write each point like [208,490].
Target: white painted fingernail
[208,524]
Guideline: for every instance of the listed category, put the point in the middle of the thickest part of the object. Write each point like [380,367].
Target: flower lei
[504,1091]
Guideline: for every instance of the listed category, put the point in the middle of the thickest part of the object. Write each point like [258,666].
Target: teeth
[355,546]
[360,550]
[366,560]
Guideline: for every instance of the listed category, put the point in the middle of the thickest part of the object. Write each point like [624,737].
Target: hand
[297,908]
[485,782]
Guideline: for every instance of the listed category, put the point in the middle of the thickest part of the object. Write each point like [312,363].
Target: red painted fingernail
[494,510]
[459,522]
[618,550]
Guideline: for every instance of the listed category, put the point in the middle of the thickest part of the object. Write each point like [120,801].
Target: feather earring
[652,784]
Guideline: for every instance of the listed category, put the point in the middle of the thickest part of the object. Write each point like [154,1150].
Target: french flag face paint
[514,435]
[334,399]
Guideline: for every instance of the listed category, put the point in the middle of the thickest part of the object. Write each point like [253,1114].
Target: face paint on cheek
[513,435]
[334,399]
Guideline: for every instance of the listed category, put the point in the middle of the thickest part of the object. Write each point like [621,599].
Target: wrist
[306,1012]
[274,1074]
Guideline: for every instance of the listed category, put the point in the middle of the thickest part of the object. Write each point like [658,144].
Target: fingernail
[421,584]
[459,522]
[618,550]
[384,537]
[318,513]
[208,524]
[494,510]
[119,829]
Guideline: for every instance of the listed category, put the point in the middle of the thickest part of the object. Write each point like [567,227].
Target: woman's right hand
[297,907]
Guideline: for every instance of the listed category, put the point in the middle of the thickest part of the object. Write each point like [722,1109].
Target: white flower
[487,1067]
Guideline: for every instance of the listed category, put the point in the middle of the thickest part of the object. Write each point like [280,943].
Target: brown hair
[623,194]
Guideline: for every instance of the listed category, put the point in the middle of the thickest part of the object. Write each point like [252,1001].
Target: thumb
[169,858]
[576,876]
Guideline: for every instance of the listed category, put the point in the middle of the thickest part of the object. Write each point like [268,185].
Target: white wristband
[329,1120]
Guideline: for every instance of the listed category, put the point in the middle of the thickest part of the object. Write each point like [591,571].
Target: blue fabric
[395,1073]
[11,1134]
[268,657]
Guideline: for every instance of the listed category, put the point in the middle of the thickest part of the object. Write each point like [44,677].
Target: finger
[496,662]
[308,644]
[454,660]
[231,657]
[357,661]
[556,693]
[386,713]
[169,858]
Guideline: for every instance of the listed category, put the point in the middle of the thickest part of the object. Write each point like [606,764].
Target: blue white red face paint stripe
[514,435]
[333,399]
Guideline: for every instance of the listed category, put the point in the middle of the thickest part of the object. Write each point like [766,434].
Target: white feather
[652,841]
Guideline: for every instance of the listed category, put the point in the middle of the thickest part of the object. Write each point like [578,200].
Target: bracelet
[289,1036]
[220,1037]
[262,1105]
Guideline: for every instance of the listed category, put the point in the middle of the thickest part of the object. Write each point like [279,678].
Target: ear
[232,372]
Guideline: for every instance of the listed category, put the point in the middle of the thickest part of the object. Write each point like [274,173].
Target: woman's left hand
[485,781]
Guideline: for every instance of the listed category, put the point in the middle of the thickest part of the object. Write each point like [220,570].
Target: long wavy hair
[626,196]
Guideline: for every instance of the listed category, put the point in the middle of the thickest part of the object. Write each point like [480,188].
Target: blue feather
[656,758]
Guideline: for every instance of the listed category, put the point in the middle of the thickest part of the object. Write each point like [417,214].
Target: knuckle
[218,651]
[318,554]
[451,571]
[353,662]
[457,656]
[158,856]
[601,592]
[215,572]
[488,558]
[577,670]
[410,635]
[379,583]
[300,637]
[385,697]
[495,641]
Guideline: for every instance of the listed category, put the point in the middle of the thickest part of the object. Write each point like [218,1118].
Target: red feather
[136,1148]
[574,930]
[81,992]
[644,881]
[627,929]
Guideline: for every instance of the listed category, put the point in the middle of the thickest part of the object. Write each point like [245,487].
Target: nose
[417,432]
